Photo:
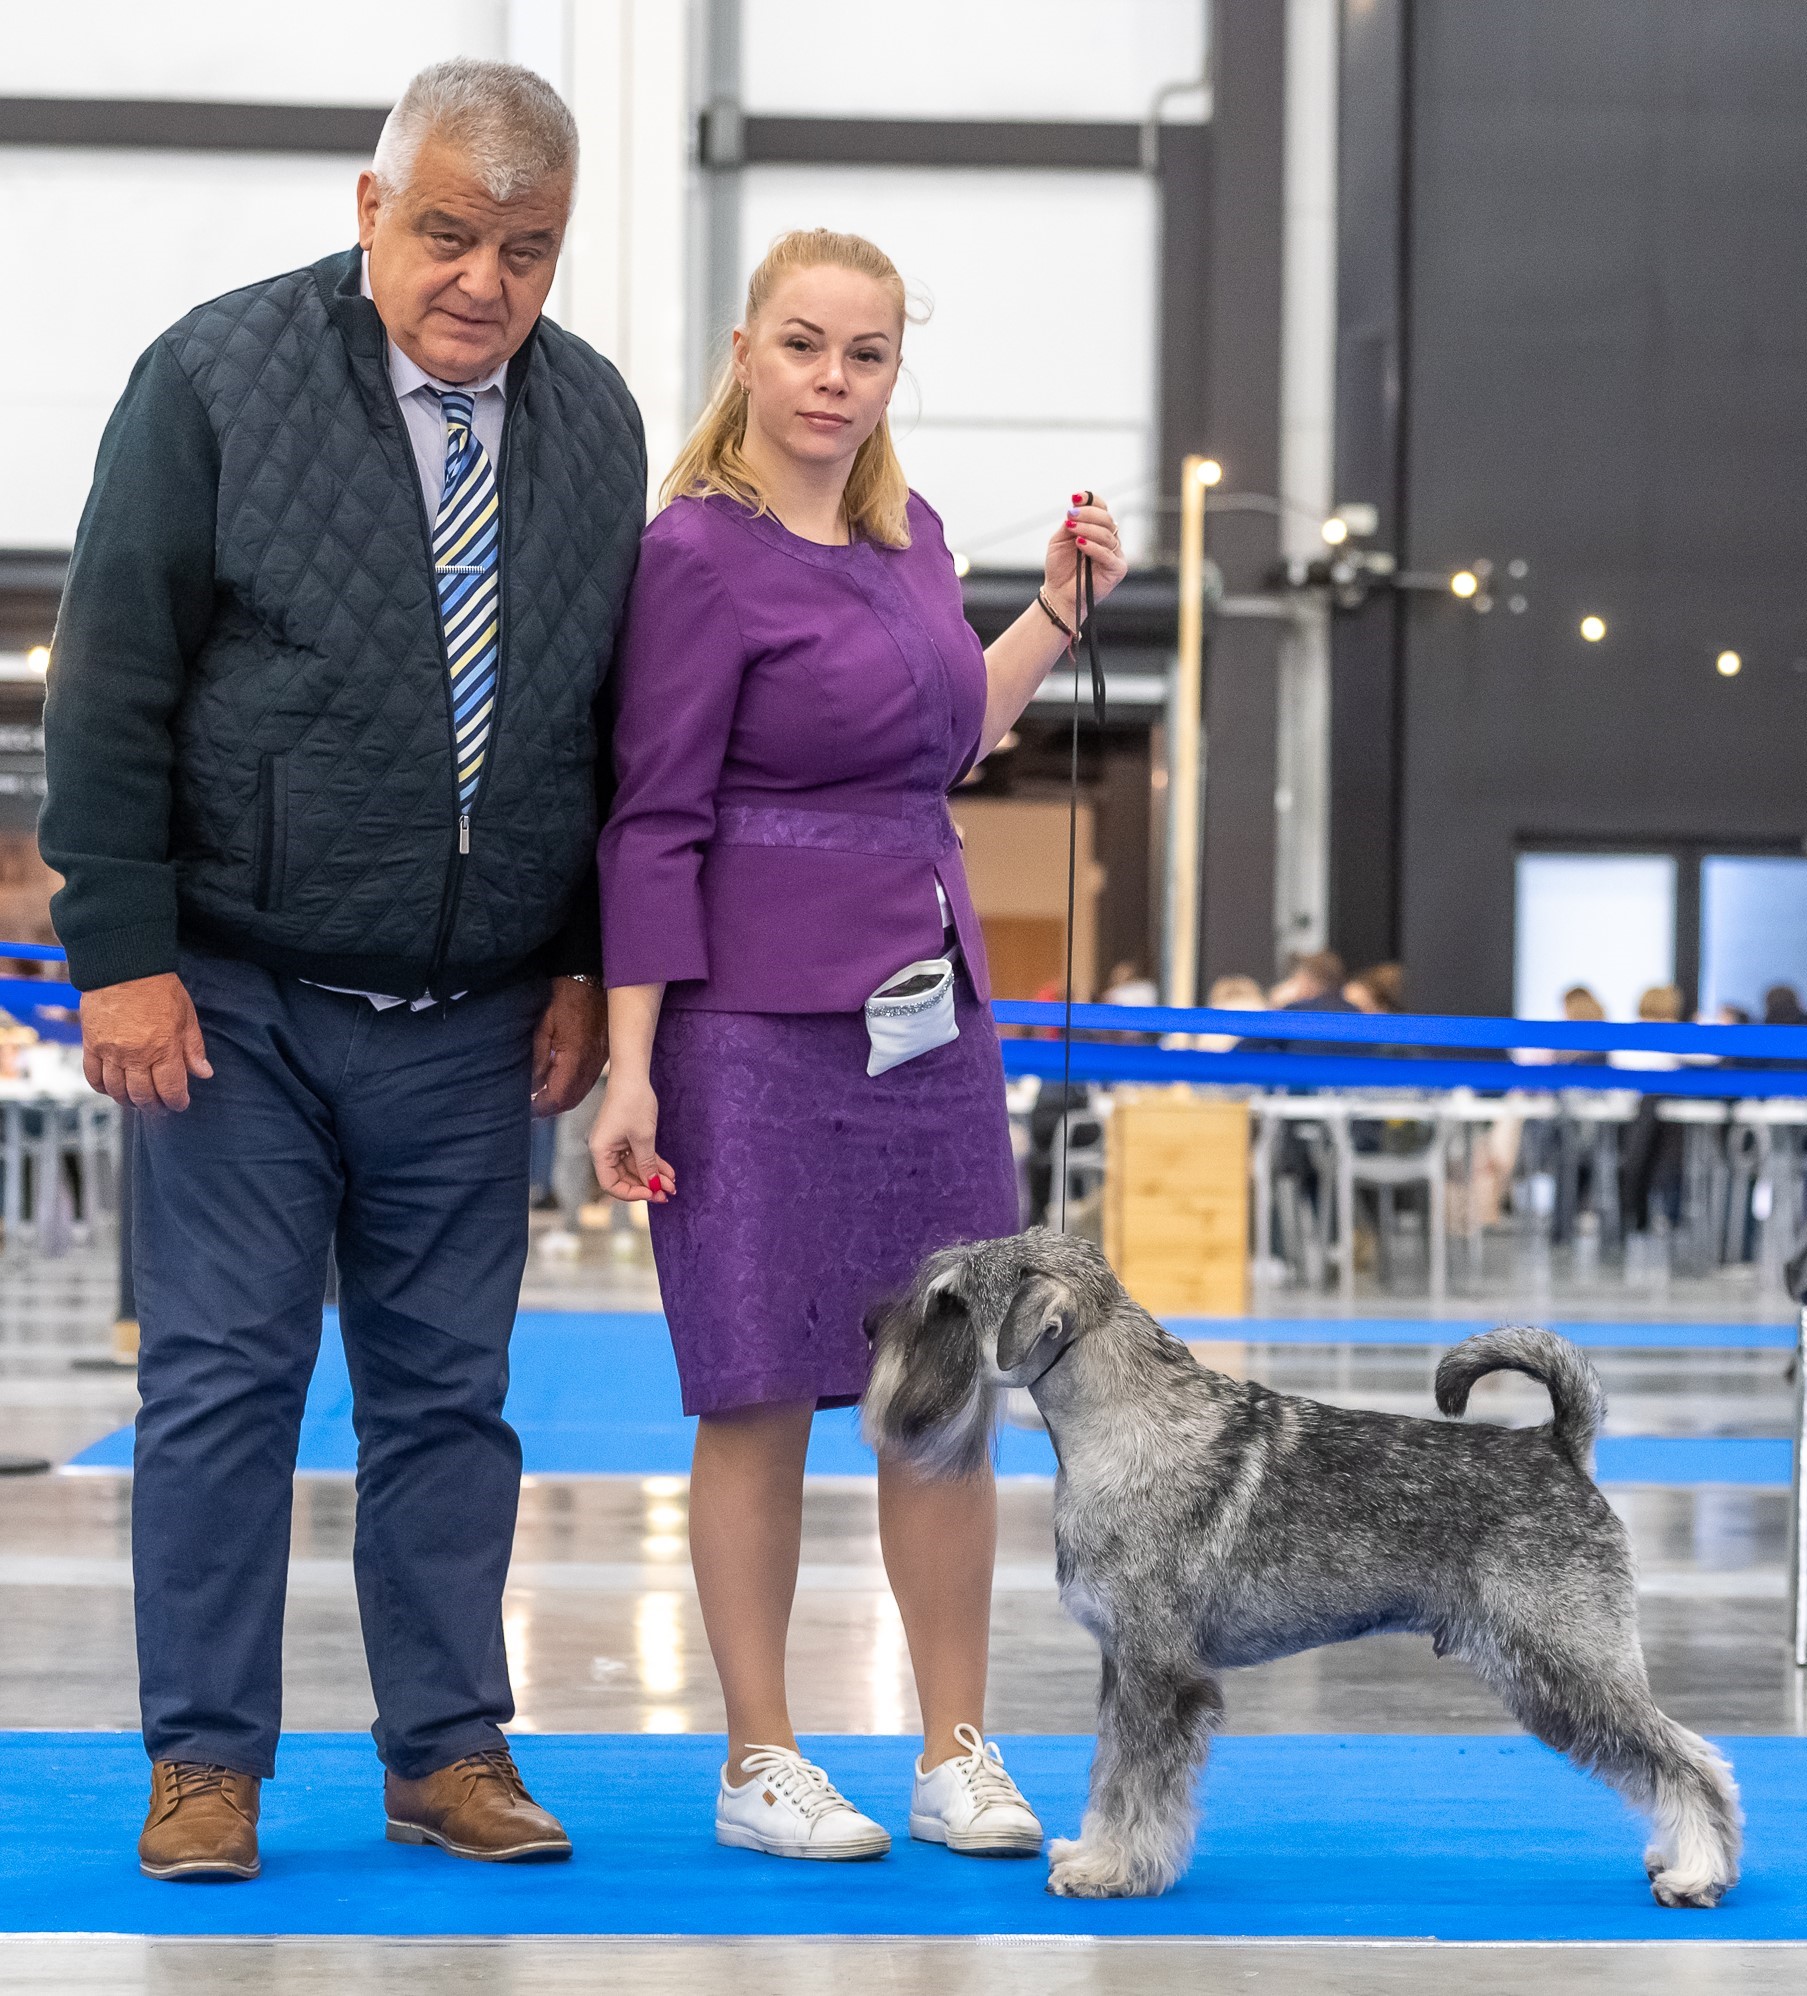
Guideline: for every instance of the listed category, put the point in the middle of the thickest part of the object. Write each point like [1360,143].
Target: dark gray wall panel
[1243,386]
[1608,378]
[1373,153]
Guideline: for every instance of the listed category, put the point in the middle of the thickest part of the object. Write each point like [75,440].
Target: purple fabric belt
[926,833]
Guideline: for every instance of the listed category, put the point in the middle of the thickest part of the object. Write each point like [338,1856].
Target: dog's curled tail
[1574,1386]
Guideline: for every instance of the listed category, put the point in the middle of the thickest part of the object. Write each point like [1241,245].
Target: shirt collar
[407,378]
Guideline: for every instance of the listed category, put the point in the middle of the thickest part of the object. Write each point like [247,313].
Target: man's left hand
[570,1046]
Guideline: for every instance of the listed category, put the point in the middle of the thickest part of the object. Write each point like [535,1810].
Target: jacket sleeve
[576,950]
[678,678]
[136,609]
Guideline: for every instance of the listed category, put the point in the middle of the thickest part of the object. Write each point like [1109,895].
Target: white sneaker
[970,1804]
[787,1807]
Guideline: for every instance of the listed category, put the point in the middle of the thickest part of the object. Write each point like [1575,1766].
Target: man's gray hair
[510,124]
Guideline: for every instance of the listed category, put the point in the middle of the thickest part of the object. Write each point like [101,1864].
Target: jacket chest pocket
[270,856]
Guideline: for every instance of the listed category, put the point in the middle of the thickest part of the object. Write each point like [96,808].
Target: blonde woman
[798,692]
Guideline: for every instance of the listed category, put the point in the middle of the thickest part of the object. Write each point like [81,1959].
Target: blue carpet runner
[597,1394]
[1454,1837]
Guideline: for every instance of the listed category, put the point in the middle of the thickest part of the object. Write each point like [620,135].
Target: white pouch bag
[911,1013]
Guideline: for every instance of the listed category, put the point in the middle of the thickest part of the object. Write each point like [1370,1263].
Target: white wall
[968,58]
[115,248]
[1035,376]
[241,51]
[109,247]
[626,260]
[1020,389]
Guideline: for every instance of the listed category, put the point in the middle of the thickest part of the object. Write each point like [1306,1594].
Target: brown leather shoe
[478,1807]
[202,1822]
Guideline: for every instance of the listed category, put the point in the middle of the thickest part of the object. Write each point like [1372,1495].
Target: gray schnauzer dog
[1202,1523]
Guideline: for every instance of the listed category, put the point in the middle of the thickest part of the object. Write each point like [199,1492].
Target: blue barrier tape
[31,953]
[1394,1029]
[1096,1061]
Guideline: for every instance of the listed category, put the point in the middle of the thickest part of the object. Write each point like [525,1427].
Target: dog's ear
[936,1363]
[1042,1309]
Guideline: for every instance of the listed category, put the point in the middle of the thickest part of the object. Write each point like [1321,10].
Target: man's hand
[570,1046]
[141,1041]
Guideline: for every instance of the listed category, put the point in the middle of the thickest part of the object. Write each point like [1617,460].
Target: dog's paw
[1675,1888]
[1079,1871]
[1655,1859]
[1081,1878]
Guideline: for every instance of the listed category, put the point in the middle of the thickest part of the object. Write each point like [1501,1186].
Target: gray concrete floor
[883,1966]
[604,1634]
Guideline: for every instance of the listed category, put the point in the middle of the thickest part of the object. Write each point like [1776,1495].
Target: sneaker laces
[804,1785]
[982,1769]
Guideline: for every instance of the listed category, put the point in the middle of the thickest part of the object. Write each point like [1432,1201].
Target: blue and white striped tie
[466,564]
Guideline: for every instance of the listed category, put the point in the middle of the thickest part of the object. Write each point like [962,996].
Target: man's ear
[1041,1309]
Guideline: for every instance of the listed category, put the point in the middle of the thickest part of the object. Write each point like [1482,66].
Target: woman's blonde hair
[877,494]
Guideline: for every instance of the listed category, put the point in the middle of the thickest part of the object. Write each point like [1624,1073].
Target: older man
[323,788]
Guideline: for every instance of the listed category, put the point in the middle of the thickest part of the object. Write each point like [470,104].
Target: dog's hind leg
[1583,1691]
[1155,1720]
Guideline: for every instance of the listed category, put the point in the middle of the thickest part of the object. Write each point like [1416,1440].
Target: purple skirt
[809,1190]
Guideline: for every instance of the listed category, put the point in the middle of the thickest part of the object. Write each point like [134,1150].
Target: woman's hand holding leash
[1087,530]
[1017,661]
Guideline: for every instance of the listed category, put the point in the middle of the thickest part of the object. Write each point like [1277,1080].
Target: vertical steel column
[1186,744]
[721,152]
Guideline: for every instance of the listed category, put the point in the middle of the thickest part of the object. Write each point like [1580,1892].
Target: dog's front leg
[1156,1714]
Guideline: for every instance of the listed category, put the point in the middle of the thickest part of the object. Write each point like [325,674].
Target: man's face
[459,277]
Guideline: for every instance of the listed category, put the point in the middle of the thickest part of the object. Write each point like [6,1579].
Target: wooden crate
[1176,1201]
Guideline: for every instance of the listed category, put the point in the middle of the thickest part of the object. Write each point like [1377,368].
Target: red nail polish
[1078,497]
[652,1184]
[1081,539]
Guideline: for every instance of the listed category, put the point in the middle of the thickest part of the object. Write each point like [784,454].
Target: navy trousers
[401,1138]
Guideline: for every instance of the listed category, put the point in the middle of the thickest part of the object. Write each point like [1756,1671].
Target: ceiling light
[1464,583]
[1728,665]
[1207,471]
[38,658]
[1335,530]
[1593,629]
[962,564]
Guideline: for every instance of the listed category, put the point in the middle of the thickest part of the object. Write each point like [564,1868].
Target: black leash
[1084,603]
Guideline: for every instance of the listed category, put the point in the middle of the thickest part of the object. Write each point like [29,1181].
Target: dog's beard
[928,1401]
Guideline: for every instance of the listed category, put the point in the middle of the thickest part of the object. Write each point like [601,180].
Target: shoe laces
[982,1769]
[191,1778]
[493,1764]
[804,1785]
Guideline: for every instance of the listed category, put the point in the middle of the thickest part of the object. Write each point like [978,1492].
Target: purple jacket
[791,718]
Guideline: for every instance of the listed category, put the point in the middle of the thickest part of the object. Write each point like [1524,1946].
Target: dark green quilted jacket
[248,728]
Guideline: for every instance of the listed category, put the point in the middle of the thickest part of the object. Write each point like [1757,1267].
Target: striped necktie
[466,562]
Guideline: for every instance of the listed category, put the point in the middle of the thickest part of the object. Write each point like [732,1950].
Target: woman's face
[819,363]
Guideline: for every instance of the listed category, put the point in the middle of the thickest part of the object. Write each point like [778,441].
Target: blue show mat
[590,1394]
[597,1395]
[1456,1837]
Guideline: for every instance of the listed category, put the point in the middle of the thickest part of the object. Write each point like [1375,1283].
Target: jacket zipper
[454,887]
